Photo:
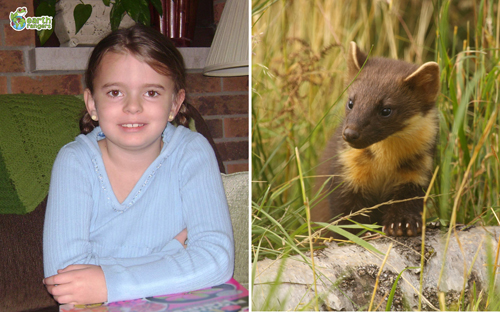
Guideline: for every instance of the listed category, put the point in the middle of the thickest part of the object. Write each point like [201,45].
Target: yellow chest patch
[399,159]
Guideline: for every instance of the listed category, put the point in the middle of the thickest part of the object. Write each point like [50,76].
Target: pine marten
[384,148]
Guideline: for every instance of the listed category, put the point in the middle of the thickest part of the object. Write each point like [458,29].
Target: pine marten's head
[384,96]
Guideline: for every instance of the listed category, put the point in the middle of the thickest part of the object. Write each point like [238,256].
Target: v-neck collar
[142,184]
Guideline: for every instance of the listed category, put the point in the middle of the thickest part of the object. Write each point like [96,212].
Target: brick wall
[222,101]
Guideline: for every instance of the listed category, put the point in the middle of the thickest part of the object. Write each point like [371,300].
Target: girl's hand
[78,284]
[182,237]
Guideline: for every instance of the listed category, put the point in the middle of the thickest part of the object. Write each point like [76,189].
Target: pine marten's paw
[396,224]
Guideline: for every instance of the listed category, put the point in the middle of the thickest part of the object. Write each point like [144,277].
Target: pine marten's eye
[385,112]
[350,104]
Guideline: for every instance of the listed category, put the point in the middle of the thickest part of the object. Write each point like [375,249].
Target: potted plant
[130,11]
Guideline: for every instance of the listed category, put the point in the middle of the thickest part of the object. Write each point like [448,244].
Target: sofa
[32,130]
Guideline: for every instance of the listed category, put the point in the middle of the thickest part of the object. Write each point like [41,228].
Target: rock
[346,274]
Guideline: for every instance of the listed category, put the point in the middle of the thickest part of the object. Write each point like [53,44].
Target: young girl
[126,194]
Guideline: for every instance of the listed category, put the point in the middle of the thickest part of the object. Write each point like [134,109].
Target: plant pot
[96,28]
[179,21]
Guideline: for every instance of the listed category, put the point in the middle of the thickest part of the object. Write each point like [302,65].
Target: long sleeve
[209,257]
[68,217]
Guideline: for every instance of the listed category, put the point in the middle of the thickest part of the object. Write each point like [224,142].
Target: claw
[409,231]
[399,230]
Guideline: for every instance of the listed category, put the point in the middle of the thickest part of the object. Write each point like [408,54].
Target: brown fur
[375,158]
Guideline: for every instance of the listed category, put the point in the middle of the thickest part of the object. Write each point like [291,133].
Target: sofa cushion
[236,187]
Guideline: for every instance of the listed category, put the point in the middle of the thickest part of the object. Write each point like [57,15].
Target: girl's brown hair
[149,46]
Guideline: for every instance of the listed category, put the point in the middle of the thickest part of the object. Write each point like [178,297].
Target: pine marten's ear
[355,60]
[425,80]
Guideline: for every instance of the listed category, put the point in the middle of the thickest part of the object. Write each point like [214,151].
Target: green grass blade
[351,237]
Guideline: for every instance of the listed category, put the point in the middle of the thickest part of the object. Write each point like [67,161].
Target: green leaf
[106,2]
[44,35]
[46,8]
[157,5]
[145,18]
[81,13]
[138,10]
[116,15]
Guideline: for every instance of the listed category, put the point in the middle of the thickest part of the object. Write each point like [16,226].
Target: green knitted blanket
[32,130]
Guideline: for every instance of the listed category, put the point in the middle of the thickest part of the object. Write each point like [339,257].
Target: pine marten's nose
[350,135]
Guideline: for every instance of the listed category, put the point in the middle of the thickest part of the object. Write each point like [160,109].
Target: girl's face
[132,101]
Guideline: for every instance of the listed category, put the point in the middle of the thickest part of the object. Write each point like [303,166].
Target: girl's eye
[386,112]
[152,93]
[114,93]
[350,104]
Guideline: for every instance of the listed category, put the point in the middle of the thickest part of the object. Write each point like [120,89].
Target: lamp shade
[228,54]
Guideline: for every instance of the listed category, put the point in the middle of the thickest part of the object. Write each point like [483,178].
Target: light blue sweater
[134,241]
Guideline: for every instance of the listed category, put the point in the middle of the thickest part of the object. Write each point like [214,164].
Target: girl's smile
[133,127]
